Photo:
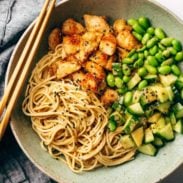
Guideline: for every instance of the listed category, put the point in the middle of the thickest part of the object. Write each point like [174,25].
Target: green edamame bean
[181,93]
[128,98]
[159,33]
[151,30]
[134,56]
[126,79]
[145,38]
[110,80]
[166,69]
[179,56]
[161,47]
[144,22]
[126,70]
[151,69]
[146,53]
[166,53]
[122,90]
[137,35]
[131,53]
[127,61]
[142,71]
[167,41]
[169,61]
[176,70]
[142,84]
[151,42]
[118,82]
[153,50]
[172,50]
[138,63]
[152,61]
[159,56]
[137,28]
[177,45]
[141,55]
[141,49]
[132,21]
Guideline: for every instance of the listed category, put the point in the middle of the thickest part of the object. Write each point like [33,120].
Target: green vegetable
[179,56]
[148,149]
[110,80]
[142,84]
[153,50]
[112,125]
[175,70]
[126,70]
[118,82]
[144,22]
[137,35]
[152,61]
[138,28]
[176,45]
[146,38]
[151,42]
[167,41]
[142,71]
[151,30]
[159,33]
[134,81]
[128,98]
[132,21]
[136,109]
[151,69]
[165,69]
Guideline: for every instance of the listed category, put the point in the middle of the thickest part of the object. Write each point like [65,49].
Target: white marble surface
[176,6]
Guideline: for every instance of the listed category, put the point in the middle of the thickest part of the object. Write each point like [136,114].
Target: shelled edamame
[149,82]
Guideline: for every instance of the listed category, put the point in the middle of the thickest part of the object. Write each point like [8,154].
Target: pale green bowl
[143,169]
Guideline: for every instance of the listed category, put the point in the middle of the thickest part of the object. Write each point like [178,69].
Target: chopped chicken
[78,77]
[109,96]
[71,44]
[89,43]
[70,27]
[108,44]
[96,23]
[99,58]
[126,40]
[120,25]
[95,69]
[64,68]
[54,38]
[109,62]
[90,82]
[122,53]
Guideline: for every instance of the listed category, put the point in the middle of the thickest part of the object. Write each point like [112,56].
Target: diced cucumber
[178,110]
[148,96]
[127,142]
[117,116]
[148,149]
[178,127]
[154,118]
[149,137]
[136,96]
[129,125]
[138,136]
[166,132]
[112,125]
[135,109]
[172,118]
[164,107]
[134,81]
[167,80]
[158,125]
[158,142]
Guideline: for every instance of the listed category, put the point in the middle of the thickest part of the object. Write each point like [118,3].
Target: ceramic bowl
[143,169]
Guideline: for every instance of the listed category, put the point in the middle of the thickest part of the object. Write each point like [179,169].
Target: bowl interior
[160,166]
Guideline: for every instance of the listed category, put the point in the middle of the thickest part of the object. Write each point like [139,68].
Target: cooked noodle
[70,122]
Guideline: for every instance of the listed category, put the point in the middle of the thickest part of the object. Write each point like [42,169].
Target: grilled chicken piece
[108,44]
[109,97]
[78,77]
[122,53]
[71,44]
[90,82]
[54,38]
[111,59]
[99,58]
[90,42]
[120,25]
[70,27]
[96,23]
[126,40]
[64,68]
[95,69]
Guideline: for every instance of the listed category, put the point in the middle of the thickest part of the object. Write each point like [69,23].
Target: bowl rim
[27,31]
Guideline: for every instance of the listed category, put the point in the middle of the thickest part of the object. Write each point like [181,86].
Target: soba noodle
[71,123]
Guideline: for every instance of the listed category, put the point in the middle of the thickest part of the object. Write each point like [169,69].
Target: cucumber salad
[149,83]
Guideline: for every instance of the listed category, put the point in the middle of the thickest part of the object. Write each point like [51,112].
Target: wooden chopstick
[23,65]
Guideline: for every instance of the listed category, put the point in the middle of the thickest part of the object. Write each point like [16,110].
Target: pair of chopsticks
[20,72]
